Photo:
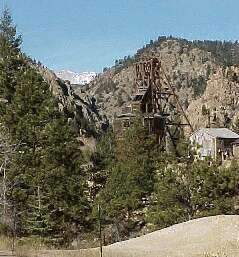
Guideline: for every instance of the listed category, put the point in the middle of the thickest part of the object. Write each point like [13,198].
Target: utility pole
[100,231]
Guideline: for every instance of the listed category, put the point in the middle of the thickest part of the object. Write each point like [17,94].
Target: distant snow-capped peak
[76,78]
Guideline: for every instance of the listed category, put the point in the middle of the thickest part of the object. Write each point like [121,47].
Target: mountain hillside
[80,108]
[220,100]
[197,69]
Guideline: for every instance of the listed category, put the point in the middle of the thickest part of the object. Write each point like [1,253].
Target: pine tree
[65,182]
[37,222]
[49,156]
[11,60]
[191,190]
[131,178]
[103,158]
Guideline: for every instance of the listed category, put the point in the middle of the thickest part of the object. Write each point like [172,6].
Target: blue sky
[87,35]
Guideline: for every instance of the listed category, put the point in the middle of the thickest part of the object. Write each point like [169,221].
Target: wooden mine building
[156,101]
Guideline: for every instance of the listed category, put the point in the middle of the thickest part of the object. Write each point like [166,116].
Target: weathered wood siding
[207,145]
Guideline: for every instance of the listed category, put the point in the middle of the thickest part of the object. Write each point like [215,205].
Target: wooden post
[209,120]
[39,198]
[4,191]
[14,216]
[100,231]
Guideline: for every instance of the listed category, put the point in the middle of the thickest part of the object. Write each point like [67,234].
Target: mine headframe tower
[158,103]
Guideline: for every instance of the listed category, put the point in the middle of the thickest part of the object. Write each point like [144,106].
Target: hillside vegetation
[43,187]
[198,69]
[51,185]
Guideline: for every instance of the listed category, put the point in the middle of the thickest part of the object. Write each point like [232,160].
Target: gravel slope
[211,236]
[216,236]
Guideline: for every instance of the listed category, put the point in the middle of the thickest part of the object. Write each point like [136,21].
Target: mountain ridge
[79,107]
[192,66]
[81,78]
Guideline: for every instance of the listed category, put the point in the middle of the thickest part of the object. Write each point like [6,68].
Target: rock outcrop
[188,68]
[199,76]
[221,99]
[79,107]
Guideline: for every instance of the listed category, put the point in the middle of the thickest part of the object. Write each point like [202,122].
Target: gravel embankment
[211,236]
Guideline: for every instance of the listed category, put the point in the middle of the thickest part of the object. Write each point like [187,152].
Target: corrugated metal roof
[220,133]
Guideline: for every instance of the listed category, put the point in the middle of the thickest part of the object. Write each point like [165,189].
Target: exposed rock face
[80,108]
[221,98]
[196,73]
[188,68]
[199,76]
[113,90]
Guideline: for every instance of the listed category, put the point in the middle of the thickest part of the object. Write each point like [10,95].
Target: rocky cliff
[219,104]
[188,68]
[80,108]
[205,81]
[198,70]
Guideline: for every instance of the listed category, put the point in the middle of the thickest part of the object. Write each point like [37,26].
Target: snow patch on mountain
[76,78]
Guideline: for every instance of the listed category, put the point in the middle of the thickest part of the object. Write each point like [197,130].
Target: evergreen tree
[37,222]
[64,182]
[131,177]
[103,159]
[49,157]
[11,60]
[193,190]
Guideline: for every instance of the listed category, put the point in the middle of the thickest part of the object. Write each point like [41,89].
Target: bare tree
[8,152]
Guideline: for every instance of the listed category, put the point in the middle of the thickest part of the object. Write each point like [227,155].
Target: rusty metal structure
[157,102]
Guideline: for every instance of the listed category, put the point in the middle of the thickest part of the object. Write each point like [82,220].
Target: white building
[214,142]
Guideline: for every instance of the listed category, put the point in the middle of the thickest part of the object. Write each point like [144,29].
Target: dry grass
[23,248]
[207,237]
[5,243]
[69,253]
[33,247]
